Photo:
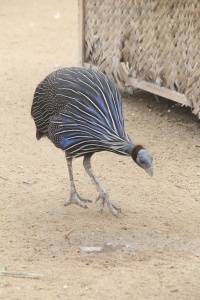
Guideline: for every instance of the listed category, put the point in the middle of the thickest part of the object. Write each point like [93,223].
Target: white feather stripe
[106,80]
[77,132]
[65,96]
[96,107]
[69,97]
[93,147]
[105,100]
[61,124]
[102,95]
[114,102]
[88,121]
[74,153]
[82,81]
[82,74]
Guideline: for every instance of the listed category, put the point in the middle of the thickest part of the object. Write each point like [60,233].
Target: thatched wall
[152,41]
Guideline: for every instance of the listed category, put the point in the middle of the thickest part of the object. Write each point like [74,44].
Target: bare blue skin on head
[144,159]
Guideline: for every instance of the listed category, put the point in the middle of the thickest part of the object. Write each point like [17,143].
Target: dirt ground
[152,250]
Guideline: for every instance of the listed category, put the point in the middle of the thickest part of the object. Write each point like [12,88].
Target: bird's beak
[150,171]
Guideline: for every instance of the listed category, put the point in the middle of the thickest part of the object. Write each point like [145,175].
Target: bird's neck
[135,151]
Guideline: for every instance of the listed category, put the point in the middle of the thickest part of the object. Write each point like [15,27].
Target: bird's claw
[75,198]
[112,208]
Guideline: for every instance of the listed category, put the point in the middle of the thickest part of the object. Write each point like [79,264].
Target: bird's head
[143,159]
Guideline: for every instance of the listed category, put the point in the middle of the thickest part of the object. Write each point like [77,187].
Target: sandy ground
[152,251]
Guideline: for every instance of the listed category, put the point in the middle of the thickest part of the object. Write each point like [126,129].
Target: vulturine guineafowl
[80,111]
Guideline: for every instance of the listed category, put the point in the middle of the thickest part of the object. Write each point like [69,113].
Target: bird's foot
[104,197]
[75,198]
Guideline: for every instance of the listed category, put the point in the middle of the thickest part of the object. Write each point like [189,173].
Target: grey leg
[74,197]
[103,195]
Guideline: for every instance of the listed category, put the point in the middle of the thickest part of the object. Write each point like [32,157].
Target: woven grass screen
[150,44]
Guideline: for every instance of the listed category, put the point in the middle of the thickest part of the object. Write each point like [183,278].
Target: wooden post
[81,36]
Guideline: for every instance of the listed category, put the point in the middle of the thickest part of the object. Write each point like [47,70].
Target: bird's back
[79,109]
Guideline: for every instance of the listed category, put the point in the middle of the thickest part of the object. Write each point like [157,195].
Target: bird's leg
[103,195]
[74,197]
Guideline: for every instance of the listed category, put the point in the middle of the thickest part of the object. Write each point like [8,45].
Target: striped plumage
[74,108]
[80,111]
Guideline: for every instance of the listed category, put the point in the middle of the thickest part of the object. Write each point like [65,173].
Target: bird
[80,111]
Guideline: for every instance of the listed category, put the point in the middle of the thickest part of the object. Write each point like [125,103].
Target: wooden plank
[152,88]
[158,90]
[81,33]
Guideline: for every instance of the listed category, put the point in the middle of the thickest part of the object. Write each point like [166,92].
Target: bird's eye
[142,161]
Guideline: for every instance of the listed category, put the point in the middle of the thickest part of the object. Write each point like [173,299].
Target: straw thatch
[156,41]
